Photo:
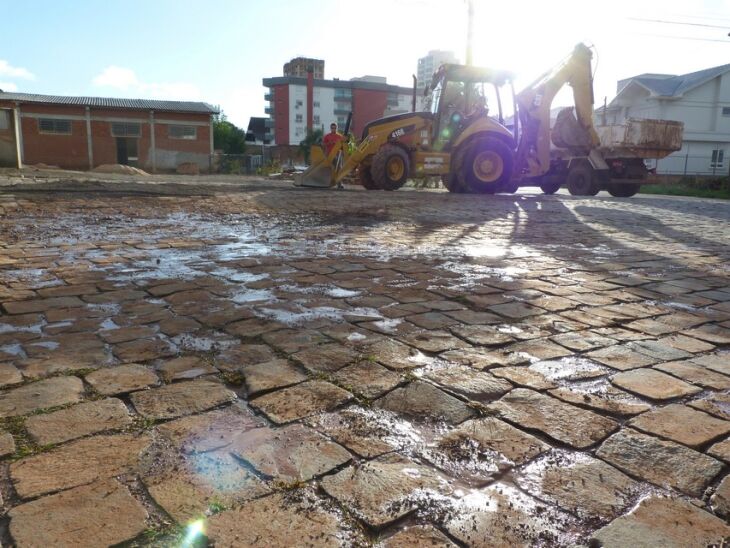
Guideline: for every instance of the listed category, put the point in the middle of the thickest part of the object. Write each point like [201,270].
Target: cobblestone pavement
[299,367]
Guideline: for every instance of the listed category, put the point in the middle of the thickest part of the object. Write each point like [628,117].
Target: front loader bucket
[318,174]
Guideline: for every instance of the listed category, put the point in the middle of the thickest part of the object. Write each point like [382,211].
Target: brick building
[295,104]
[300,66]
[84,132]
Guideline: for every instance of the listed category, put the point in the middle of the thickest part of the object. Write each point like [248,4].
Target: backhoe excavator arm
[533,152]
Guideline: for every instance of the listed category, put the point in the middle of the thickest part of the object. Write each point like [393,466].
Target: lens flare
[193,532]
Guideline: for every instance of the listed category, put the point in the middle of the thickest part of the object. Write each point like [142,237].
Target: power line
[725,27]
[681,37]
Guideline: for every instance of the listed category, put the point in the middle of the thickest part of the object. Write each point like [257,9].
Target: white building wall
[325,96]
[297,113]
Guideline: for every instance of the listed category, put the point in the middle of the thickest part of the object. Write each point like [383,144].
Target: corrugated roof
[111,102]
[676,86]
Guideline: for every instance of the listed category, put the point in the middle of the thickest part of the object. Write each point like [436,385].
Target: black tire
[551,187]
[511,188]
[582,181]
[366,178]
[485,165]
[390,167]
[451,183]
[623,190]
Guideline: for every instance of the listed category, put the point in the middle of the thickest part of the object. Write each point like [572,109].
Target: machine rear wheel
[623,190]
[366,178]
[582,182]
[486,166]
[452,184]
[390,167]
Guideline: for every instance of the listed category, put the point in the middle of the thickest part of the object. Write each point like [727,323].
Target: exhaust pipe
[415,86]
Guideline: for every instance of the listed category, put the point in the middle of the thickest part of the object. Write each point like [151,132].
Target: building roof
[675,86]
[111,102]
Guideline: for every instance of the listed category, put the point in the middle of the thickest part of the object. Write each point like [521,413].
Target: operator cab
[460,94]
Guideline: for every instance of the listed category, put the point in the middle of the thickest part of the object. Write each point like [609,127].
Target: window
[4,119]
[183,132]
[392,99]
[126,129]
[315,120]
[299,119]
[341,121]
[51,125]
[718,156]
[299,103]
[316,104]
[726,111]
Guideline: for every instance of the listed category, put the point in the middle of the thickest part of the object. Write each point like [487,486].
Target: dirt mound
[119,168]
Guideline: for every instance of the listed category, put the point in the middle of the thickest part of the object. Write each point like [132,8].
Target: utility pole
[469,31]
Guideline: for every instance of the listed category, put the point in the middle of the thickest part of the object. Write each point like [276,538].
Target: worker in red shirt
[332,138]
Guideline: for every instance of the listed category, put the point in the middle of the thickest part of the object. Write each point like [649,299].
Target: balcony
[269,111]
[268,123]
[339,110]
[268,96]
[343,97]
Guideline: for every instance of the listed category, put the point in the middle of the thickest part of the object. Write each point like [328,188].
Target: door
[8,146]
[127,151]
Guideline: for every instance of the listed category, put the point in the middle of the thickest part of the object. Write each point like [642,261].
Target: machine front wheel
[366,178]
[390,167]
[551,187]
[486,165]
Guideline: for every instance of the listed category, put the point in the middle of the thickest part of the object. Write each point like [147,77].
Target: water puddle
[569,369]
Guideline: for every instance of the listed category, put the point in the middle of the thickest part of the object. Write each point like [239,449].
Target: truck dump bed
[640,138]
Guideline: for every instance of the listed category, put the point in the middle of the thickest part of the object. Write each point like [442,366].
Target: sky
[218,51]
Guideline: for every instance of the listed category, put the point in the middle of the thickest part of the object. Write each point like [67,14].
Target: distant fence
[691,165]
[239,164]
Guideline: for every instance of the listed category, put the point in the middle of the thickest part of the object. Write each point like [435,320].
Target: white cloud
[8,86]
[125,80]
[9,71]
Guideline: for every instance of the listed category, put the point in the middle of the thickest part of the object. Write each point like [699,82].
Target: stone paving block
[431,320]
[291,454]
[121,379]
[270,375]
[300,401]
[209,431]
[103,513]
[203,484]
[469,383]
[367,378]
[326,357]
[472,317]
[582,341]
[667,522]
[653,384]
[433,341]
[695,374]
[500,515]
[482,335]
[392,354]
[185,367]
[77,463]
[294,340]
[40,395]
[580,484]
[516,310]
[621,357]
[720,500]
[41,305]
[658,350]
[524,376]
[282,519]
[125,334]
[492,434]
[252,327]
[601,396]
[559,420]
[663,463]
[77,421]
[141,350]
[539,349]
[711,333]
[176,400]
[422,400]
[9,375]
[7,445]
[719,361]
[235,357]
[721,450]
[687,344]
[383,490]
[717,404]
[418,535]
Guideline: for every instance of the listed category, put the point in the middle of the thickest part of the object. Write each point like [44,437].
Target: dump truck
[463,138]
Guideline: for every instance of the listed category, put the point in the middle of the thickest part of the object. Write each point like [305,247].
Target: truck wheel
[582,182]
[487,165]
[551,187]
[366,178]
[511,187]
[623,190]
[451,184]
[390,167]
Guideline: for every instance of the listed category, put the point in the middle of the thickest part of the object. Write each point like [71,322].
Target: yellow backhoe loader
[464,140]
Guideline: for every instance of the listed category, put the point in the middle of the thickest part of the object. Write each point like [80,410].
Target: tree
[314,137]
[227,136]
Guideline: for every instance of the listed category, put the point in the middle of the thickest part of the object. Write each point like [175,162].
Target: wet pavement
[254,363]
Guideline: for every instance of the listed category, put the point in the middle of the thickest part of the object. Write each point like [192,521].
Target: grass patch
[684,190]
